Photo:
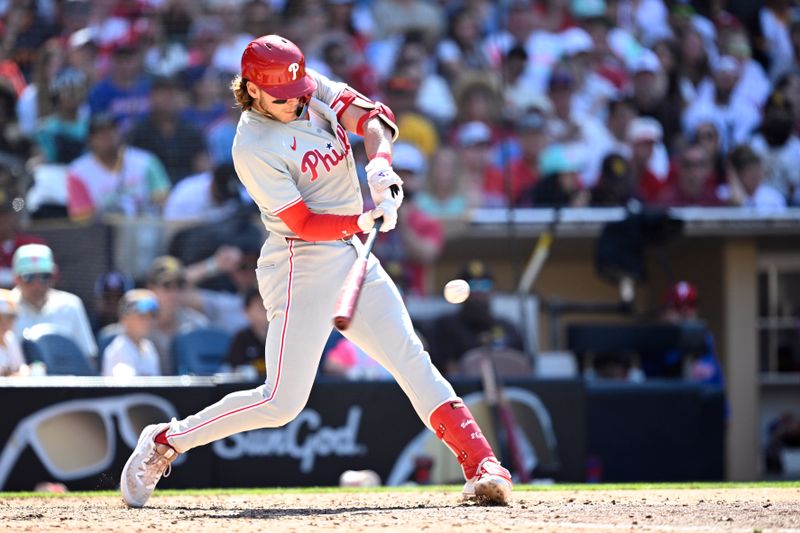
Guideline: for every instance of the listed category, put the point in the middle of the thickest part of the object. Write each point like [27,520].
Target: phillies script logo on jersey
[328,159]
[304,438]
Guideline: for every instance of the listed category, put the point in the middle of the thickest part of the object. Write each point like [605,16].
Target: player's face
[283,109]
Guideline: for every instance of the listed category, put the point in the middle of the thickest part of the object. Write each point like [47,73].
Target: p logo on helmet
[277,66]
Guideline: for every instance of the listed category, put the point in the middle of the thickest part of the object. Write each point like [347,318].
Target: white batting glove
[366,220]
[383,181]
[389,215]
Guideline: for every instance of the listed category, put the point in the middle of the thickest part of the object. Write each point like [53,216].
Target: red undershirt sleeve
[316,226]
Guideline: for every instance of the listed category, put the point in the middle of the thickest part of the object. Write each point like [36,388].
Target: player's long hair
[239,89]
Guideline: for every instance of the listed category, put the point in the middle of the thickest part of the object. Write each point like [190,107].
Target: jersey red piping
[280,357]
[287,205]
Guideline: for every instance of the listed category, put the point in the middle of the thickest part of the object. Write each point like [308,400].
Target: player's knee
[285,409]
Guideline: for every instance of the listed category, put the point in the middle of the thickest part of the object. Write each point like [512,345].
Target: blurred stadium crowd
[122,107]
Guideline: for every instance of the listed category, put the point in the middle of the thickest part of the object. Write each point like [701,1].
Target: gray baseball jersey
[280,165]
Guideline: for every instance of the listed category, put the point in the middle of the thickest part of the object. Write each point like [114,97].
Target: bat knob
[341,323]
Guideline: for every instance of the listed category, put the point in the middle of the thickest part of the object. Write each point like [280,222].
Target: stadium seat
[60,354]
[200,352]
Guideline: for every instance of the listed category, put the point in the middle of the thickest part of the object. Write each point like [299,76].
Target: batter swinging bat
[351,288]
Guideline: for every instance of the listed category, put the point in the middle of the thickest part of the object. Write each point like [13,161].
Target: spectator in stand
[643,135]
[109,288]
[621,112]
[234,37]
[167,279]
[114,178]
[162,57]
[479,99]
[747,186]
[694,67]
[25,31]
[346,63]
[615,187]
[34,101]
[131,353]
[695,184]
[585,135]
[402,90]
[651,98]
[738,117]
[779,146]
[518,98]
[753,82]
[206,197]
[397,17]
[82,55]
[207,105]
[248,344]
[776,41]
[475,150]
[13,145]
[706,135]
[592,90]
[11,238]
[419,238]
[223,304]
[523,171]
[220,134]
[204,38]
[445,197]
[178,145]
[123,93]
[38,302]
[559,184]
[12,361]
[61,137]
[434,97]
[453,334]
[461,48]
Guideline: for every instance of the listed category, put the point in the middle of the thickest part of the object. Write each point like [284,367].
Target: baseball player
[292,154]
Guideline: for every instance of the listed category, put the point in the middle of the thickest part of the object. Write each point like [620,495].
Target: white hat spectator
[575,41]
[726,65]
[33,259]
[408,157]
[644,129]
[647,61]
[474,133]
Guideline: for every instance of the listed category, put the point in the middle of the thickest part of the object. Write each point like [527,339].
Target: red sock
[161,438]
[455,425]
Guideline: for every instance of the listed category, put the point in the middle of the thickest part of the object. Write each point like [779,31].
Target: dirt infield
[695,510]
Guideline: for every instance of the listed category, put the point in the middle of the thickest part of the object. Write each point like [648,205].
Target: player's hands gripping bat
[351,289]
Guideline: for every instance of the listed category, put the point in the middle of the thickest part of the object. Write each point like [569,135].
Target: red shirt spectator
[694,183]
[523,172]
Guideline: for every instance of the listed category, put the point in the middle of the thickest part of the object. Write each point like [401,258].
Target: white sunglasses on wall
[76,439]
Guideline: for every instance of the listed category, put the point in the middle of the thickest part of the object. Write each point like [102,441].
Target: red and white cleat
[490,486]
[144,468]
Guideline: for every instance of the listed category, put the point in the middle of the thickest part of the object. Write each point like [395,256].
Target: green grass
[427,488]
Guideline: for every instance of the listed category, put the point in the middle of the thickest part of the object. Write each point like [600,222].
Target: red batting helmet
[682,296]
[277,66]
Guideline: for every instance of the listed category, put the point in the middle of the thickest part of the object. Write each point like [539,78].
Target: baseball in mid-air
[456,291]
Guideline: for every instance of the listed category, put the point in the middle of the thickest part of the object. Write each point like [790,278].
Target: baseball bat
[351,288]
[538,256]
[505,424]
